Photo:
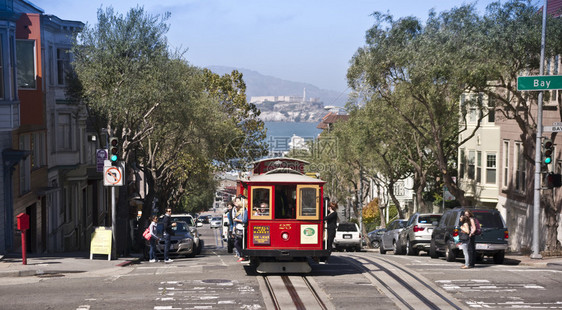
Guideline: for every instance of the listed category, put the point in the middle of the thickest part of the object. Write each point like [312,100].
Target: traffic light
[113,149]
[548,150]
[553,180]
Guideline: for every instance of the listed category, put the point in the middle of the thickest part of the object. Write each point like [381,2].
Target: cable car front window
[285,201]
[261,202]
[308,201]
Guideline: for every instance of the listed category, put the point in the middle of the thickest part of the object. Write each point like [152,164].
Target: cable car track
[293,292]
[407,289]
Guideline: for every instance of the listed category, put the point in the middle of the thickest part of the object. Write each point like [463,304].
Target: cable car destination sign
[539,82]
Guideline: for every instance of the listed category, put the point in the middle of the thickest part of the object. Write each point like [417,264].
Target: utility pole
[538,162]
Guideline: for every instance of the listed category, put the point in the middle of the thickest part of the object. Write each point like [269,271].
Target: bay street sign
[539,82]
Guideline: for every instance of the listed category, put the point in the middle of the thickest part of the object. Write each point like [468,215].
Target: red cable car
[285,216]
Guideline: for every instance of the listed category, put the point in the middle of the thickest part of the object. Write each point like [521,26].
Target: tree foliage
[177,123]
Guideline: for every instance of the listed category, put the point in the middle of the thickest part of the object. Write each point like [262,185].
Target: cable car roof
[283,175]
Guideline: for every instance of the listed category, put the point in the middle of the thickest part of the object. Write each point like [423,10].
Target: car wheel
[410,248]
[499,257]
[450,254]
[395,248]
[375,244]
[359,248]
[433,250]
[382,250]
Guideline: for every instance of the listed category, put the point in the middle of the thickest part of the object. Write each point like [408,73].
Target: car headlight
[186,240]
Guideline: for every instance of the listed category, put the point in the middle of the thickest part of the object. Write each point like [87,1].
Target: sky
[309,41]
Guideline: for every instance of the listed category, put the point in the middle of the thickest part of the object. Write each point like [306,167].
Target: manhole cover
[216,281]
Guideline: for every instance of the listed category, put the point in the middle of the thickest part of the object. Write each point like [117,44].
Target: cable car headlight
[285,236]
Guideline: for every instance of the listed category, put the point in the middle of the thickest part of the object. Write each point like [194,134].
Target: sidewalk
[79,262]
[526,260]
[51,264]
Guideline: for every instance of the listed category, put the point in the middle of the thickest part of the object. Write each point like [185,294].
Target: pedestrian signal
[553,180]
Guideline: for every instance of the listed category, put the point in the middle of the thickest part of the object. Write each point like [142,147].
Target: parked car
[390,237]
[347,237]
[492,242]
[416,236]
[216,222]
[190,220]
[375,237]
[181,243]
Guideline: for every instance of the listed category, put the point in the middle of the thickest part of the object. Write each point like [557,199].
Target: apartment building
[48,149]
[493,170]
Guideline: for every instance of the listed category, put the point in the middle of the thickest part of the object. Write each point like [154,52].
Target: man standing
[168,232]
[229,234]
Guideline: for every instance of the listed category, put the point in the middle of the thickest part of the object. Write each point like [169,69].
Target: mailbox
[23,221]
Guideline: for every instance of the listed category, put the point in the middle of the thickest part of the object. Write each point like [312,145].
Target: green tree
[393,72]
[511,43]
[173,122]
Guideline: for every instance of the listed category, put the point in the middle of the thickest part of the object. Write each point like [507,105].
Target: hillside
[258,84]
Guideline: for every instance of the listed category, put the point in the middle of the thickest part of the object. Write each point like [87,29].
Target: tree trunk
[552,213]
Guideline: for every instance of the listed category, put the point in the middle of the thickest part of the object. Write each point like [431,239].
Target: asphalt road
[214,280]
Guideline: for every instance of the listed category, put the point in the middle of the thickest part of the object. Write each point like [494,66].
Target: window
[555,69]
[51,60]
[25,53]
[63,65]
[285,206]
[64,141]
[505,163]
[308,201]
[2,96]
[491,110]
[471,164]
[462,164]
[491,168]
[478,167]
[399,188]
[520,168]
[261,202]
[38,150]
[25,165]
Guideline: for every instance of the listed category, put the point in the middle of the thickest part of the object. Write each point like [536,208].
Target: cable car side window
[308,202]
[261,202]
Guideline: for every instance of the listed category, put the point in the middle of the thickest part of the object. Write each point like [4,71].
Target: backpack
[478,228]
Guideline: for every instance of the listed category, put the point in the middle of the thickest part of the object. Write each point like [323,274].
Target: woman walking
[153,238]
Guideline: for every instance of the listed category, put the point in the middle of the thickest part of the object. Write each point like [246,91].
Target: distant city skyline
[301,41]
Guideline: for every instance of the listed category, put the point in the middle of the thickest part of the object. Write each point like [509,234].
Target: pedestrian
[331,224]
[229,234]
[153,238]
[463,239]
[168,233]
[240,219]
[472,238]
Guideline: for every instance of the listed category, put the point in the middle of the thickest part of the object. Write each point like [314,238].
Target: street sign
[112,176]
[552,128]
[539,82]
[101,156]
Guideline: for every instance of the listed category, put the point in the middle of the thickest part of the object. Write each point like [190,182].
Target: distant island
[281,101]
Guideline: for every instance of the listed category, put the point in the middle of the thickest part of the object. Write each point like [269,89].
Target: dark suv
[492,241]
